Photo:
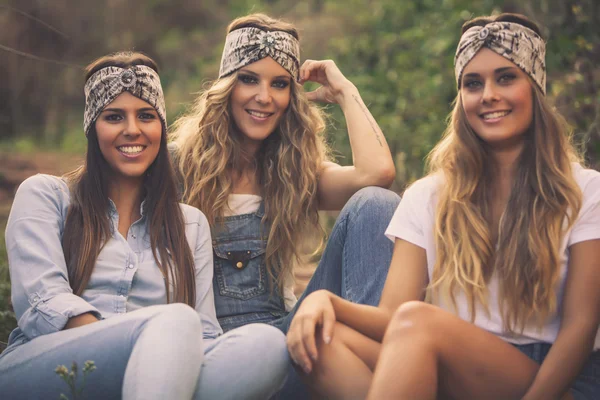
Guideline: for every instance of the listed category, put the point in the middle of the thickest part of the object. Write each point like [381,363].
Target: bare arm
[406,281]
[372,160]
[579,324]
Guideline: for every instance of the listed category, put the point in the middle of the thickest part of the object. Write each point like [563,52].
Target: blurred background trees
[399,53]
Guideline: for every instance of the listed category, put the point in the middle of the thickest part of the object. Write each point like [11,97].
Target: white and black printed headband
[103,87]
[247,45]
[513,41]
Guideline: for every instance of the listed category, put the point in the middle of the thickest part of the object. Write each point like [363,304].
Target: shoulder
[197,229]
[193,216]
[587,179]
[42,185]
[425,190]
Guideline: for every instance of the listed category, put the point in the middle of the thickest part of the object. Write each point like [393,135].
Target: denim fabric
[152,353]
[142,347]
[125,277]
[587,384]
[354,264]
[242,293]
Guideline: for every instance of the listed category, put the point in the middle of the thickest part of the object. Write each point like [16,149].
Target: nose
[132,127]
[263,96]
[490,93]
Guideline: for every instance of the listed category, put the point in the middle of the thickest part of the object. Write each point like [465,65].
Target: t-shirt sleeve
[412,214]
[587,226]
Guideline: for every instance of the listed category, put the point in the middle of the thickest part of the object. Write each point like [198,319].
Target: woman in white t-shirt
[501,239]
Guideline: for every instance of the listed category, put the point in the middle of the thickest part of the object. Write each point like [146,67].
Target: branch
[34,57]
[45,24]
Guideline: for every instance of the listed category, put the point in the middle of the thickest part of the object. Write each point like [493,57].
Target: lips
[494,115]
[131,150]
[261,115]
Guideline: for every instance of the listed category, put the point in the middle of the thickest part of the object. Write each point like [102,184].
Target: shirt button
[130,266]
[133,236]
[239,264]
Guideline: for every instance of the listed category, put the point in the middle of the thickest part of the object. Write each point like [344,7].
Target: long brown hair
[88,226]
[526,258]
[287,165]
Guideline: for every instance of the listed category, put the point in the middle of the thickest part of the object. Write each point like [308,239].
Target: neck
[506,161]
[126,193]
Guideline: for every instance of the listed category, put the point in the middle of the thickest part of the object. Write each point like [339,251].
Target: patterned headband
[103,87]
[515,42]
[247,45]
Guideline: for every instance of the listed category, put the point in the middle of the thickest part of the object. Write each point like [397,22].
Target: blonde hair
[543,204]
[287,165]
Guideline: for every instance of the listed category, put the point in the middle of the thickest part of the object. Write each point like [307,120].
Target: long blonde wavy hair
[544,203]
[210,152]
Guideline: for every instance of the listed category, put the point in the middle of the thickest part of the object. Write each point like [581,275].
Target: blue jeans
[587,384]
[354,264]
[153,353]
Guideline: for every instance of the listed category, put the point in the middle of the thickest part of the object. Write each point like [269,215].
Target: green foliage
[70,377]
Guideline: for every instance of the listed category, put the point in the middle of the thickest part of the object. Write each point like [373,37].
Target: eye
[113,117]
[247,79]
[280,84]
[472,84]
[147,116]
[506,78]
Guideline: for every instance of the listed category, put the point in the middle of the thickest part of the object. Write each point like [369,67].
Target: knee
[266,343]
[181,318]
[414,318]
[374,198]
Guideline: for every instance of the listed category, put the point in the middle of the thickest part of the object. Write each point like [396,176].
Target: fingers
[328,325]
[317,95]
[308,338]
[316,71]
[296,347]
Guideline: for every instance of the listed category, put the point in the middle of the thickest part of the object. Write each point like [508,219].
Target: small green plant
[70,377]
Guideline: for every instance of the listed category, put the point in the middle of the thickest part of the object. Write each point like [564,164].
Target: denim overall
[241,281]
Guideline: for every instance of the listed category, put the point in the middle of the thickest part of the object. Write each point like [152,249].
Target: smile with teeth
[131,150]
[494,115]
[259,114]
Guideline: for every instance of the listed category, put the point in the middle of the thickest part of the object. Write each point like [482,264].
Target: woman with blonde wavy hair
[252,156]
[501,238]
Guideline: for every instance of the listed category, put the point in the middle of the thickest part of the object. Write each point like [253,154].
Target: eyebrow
[247,71]
[496,71]
[145,109]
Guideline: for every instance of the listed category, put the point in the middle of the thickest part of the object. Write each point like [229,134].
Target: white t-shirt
[414,222]
[238,204]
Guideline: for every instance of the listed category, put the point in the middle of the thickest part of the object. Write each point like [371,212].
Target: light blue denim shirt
[125,278]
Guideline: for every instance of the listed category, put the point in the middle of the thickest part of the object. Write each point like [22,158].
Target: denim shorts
[587,384]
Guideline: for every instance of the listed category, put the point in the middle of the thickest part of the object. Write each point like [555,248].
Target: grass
[7,316]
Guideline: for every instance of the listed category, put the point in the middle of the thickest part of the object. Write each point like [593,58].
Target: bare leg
[345,366]
[429,353]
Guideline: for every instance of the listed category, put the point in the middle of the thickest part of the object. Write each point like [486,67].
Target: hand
[333,83]
[80,320]
[315,311]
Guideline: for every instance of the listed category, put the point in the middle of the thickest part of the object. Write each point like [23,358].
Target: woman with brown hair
[107,266]
[501,238]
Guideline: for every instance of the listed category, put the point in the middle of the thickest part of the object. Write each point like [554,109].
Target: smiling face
[497,99]
[129,133]
[259,99]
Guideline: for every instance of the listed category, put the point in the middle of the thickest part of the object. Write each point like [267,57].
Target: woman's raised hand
[333,83]
[315,311]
